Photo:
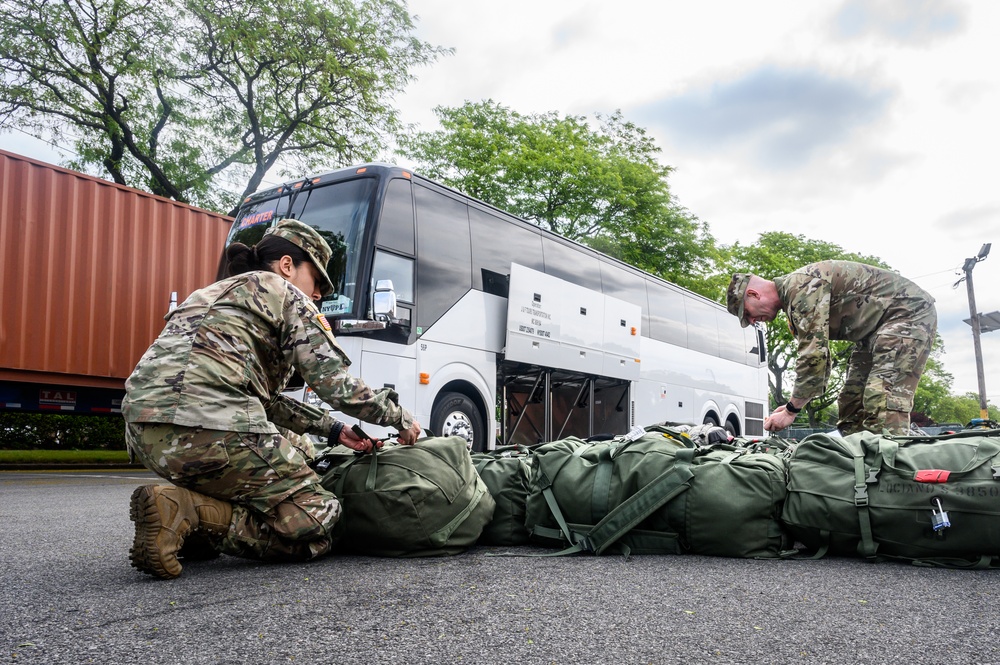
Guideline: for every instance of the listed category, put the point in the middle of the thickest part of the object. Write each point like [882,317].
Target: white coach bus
[496,330]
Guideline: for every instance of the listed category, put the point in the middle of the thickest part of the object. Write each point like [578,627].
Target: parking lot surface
[70,596]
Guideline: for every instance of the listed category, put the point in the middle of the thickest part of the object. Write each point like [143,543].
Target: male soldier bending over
[891,320]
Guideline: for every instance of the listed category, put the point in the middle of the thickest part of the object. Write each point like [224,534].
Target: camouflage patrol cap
[311,242]
[735,294]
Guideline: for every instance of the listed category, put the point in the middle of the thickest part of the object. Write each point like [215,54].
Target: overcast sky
[871,124]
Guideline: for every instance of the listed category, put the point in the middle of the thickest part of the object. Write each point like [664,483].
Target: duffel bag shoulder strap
[961,434]
[984,562]
[634,510]
[888,449]
[624,517]
[635,513]
[440,537]
[345,467]
[481,460]
[867,545]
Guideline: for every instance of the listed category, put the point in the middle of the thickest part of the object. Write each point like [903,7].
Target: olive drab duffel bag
[506,472]
[405,501]
[654,493]
[926,499]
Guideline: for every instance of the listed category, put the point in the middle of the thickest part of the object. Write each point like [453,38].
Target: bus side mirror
[384,301]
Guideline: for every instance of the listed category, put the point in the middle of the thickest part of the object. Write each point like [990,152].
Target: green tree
[603,187]
[934,388]
[961,409]
[774,254]
[197,99]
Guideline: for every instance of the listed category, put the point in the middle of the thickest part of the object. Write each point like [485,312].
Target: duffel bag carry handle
[372,467]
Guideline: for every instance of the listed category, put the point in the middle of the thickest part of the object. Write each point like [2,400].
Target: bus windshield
[339,212]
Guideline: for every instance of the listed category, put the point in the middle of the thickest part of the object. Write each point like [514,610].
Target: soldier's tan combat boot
[164,515]
[198,546]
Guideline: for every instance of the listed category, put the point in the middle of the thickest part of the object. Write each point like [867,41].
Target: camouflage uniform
[892,322]
[204,410]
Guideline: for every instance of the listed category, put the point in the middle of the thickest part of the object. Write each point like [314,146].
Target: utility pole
[970,263]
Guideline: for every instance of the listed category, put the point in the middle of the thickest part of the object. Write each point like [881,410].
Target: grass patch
[63,457]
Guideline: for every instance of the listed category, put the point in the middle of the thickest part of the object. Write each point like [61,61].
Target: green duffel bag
[406,501]
[657,495]
[932,499]
[506,473]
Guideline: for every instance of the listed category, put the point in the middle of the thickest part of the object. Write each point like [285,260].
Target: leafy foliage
[934,389]
[191,98]
[44,431]
[960,409]
[603,187]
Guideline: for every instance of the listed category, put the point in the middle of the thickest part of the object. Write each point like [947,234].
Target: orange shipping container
[87,269]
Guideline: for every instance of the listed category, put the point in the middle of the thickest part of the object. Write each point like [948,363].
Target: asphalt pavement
[70,596]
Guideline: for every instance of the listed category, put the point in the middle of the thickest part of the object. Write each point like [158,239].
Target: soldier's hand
[351,440]
[410,436]
[779,419]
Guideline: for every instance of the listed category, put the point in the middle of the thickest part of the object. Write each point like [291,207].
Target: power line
[60,148]
[939,272]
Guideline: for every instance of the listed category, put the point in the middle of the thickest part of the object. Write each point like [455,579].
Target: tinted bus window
[255,219]
[339,211]
[396,268]
[703,326]
[444,271]
[732,340]
[667,318]
[395,226]
[620,283]
[497,243]
[572,264]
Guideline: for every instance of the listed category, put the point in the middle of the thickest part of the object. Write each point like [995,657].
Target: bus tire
[455,414]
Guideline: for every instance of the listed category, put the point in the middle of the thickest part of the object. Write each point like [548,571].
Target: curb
[72,467]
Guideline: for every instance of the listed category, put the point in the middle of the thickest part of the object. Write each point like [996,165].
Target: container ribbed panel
[87,268]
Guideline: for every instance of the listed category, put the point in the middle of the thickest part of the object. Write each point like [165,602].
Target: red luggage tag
[932,476]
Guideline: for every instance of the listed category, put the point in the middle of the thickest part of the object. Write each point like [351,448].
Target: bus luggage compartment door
[554,323]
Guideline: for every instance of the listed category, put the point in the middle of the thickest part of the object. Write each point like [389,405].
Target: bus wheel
[457,415]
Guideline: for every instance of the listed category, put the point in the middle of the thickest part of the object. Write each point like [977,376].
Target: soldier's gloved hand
[410,436]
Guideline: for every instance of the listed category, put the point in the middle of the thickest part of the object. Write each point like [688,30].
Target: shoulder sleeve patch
[791,326]
[323,323]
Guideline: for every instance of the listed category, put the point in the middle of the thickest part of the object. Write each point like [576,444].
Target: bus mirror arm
[355,325]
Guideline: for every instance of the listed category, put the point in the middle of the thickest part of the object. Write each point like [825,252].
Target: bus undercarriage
[545,404]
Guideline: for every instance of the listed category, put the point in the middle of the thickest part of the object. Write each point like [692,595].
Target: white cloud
[780,117]
[968,223]
[912,22]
